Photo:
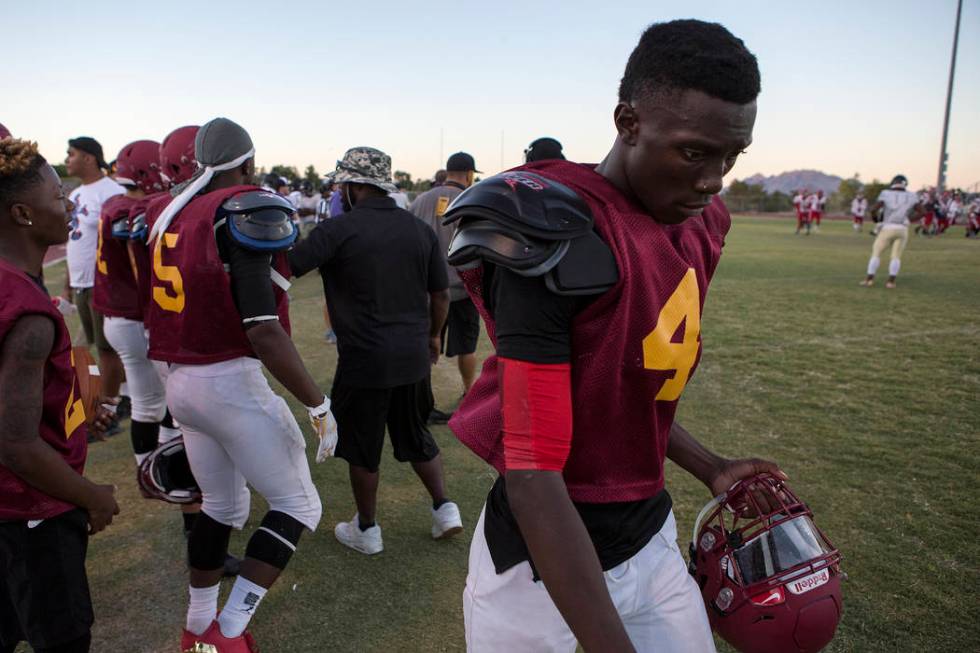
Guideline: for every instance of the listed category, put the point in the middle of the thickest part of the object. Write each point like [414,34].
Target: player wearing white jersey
[900,207]
[859,207]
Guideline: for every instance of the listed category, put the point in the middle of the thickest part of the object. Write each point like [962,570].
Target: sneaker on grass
[349,533]
[446,521]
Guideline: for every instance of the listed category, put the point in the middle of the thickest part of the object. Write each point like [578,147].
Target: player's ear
[627,123]
[22,214]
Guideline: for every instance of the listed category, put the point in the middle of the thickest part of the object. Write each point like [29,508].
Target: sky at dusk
[847,86]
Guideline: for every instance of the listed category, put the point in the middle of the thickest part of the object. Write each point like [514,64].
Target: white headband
[192,189]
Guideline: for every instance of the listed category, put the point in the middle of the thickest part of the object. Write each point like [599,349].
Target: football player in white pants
[900,207]
[216,318]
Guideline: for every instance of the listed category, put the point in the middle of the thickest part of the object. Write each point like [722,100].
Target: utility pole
[442,157]
[941,181]
[501,149]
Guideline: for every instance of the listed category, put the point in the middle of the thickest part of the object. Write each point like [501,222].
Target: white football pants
[654,594]
[236,429]
[146,389]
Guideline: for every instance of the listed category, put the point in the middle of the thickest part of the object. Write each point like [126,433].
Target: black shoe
[124,408]
[438,417]
[232,566]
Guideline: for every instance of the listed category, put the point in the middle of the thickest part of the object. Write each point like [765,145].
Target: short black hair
[691,54]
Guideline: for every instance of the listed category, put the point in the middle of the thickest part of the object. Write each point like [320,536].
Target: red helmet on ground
[138,164]
[769,577]
[4,132]
[177,155]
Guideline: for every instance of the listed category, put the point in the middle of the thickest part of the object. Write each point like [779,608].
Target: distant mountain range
[789,182]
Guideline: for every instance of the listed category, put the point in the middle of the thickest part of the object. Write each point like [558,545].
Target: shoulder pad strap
[527,203]
[259,220]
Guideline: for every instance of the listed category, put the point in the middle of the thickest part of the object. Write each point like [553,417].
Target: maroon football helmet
[177,155]
[138,164]
[769,577]
[4,132]
[166,474]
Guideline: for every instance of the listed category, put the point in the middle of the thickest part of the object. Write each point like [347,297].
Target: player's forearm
[41,467]
[278,353]
[692,456]
[565,558]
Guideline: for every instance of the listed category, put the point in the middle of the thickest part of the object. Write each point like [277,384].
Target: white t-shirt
[401,199]
[858,206]
[813,203]
[897,203]
[84,238]
[311,202]
[798,201]
[294,197]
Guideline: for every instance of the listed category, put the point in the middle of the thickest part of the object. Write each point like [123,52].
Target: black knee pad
[168,420]
[275,539]
[208,543]
[145,436]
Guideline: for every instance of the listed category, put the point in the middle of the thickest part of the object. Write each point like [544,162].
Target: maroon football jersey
[633,349]
[139,251]
[62,424]
[191,314]
[115,291]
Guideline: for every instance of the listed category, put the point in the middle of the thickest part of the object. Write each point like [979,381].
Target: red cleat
[212,641]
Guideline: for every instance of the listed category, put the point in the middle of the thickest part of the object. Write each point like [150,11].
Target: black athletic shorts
[462,329]
[44,597]
[363,413]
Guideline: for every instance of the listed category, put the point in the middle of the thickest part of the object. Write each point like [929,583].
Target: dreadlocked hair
[20,168]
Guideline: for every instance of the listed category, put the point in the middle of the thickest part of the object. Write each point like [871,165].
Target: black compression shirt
[534,324]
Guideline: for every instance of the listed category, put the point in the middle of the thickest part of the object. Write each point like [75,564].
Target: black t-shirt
[379,263]
[534,324]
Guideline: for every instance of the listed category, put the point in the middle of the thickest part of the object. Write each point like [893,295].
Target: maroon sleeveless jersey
[191,314]
[62,424]
[634,348]
[115,292]
[139,251]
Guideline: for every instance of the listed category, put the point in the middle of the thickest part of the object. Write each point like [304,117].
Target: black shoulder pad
[259,220]
[535,227]
[120,228]
[527,202]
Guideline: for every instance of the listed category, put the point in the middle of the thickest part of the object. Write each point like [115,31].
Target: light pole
[941,181]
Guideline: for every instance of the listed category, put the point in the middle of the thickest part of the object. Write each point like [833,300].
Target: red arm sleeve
[536,400]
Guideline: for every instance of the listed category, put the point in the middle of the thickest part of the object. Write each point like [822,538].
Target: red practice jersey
[115,291]
[633,349]
[191,314]
[62,424]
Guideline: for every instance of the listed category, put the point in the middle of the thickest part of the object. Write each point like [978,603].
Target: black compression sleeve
[533,324]
[251,281]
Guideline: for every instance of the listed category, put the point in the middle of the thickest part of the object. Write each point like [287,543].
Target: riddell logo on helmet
[513,179]
[810,582]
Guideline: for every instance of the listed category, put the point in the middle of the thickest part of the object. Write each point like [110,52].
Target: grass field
[867,397]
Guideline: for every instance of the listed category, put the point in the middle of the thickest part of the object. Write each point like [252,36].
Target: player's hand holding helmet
[325,427]
[769,577]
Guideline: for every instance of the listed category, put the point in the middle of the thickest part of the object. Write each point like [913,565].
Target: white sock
[202,608]
[241,605]
[893,267]
[873,265]
[167,434]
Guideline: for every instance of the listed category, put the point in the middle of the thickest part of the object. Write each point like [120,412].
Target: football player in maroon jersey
[576,410]
[47,508]
[218,313]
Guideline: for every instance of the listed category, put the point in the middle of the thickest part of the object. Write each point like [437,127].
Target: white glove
[325,427]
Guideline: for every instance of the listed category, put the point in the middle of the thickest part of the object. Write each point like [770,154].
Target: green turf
[867,397]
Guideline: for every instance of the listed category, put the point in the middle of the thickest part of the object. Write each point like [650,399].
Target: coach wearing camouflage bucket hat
[386,287]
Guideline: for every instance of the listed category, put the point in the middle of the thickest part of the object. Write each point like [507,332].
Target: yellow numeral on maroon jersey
[168,302]
[660,352]
[99,261]
[75,408]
